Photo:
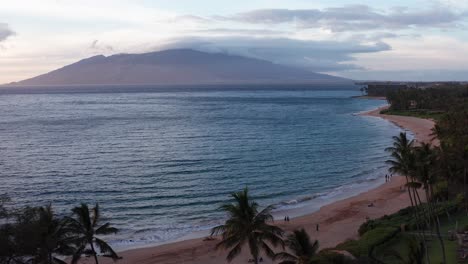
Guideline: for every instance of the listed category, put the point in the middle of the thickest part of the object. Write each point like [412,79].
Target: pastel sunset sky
[365,39]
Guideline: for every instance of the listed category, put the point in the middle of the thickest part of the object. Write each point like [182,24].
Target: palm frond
[77,255]
[106,249]
[96,215]
[106,229]
[234,252]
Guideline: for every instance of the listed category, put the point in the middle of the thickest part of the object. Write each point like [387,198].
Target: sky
[393,40]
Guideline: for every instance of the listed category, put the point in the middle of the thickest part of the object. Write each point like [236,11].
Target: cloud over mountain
[354,18]
[5,31]
[314,55]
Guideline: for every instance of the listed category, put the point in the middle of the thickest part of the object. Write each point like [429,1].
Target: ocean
[160,161]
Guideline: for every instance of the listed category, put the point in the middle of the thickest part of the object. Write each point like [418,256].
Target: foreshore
[338,221]
[421,128]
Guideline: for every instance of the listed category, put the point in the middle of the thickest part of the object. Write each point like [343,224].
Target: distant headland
[178,67]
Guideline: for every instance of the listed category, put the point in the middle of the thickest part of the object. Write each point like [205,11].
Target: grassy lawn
[435,252]
[416,113]
[400,243]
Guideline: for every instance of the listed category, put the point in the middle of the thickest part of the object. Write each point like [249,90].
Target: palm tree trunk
[441,240]
[416,193]
[437,224]
[409,192]
[464,187]
[464,190]
[94,253]
[423,231]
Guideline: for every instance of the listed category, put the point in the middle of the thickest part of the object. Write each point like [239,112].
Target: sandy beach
[421,128]
[338,221]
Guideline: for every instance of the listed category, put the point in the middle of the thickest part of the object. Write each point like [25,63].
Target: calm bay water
[160,162]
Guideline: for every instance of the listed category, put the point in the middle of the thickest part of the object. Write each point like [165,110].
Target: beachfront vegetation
[302,248]
[85,229]
[425,232]
[37,235]
[247,226]
[447,163]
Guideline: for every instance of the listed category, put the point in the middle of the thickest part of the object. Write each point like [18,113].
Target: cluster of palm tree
[420,165]
[246,225]
[36,235]
[433,99]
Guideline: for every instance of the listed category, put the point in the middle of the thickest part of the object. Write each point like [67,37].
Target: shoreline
[421,128]
[338,221]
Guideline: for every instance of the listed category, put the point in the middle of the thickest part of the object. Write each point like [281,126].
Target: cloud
[241,32]
[319,56]
[353,18]
[96,46]
[5,31]
[187,18]
[408,75]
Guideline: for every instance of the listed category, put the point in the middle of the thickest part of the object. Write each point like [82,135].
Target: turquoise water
[160,162]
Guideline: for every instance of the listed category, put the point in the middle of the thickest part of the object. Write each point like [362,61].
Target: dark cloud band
[353,18]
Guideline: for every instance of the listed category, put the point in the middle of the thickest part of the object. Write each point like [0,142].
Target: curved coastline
[338,220]
[421,128]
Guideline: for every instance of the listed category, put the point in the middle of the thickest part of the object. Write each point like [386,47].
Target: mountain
[178,66]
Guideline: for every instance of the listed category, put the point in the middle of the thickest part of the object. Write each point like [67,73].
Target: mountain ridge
[177,67]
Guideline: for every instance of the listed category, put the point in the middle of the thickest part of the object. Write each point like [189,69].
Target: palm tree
[85,229]
[403,162]
[54,237]
[302,248]
[425,160]
[246,225]
[402,159]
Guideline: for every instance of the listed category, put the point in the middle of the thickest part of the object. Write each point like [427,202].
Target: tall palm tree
[423,172]
[85,228]
[54,237]
[247,226]
[402,158]
[301,246]
[402,162]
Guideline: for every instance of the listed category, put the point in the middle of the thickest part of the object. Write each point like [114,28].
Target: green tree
[302,248]
[246,226]
[3,210]
[85,228]
[403,162]
[34,235]
[402,159]
[416,252]
[423,171]
[53,237]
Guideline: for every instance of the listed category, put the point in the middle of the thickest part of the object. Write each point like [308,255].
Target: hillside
[181,66]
